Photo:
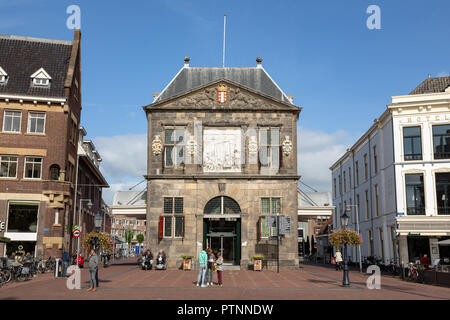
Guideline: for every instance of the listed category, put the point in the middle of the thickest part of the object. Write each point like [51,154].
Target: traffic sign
[76,233]
[285,225]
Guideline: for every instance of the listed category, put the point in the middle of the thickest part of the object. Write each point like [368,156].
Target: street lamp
[89,205]
[98,221]
[344,223]
[348,209]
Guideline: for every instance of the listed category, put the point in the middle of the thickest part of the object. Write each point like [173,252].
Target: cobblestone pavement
[124,280]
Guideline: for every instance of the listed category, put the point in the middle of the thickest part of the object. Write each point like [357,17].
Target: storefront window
[22,217]
[415,197]
[443,192]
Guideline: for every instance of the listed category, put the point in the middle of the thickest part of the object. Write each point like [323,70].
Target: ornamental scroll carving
[157,145]
[287,146]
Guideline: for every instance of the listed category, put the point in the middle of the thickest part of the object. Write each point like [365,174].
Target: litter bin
[58,268]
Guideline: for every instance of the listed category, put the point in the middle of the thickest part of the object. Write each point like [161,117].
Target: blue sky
[342,73]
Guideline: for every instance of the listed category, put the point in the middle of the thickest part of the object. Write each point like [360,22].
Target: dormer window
[41,78]
[3,76]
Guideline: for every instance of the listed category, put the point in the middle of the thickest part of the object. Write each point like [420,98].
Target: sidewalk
[125,281]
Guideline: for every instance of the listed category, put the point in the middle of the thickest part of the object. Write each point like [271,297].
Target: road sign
[285,225]
[271,221]
[76,233]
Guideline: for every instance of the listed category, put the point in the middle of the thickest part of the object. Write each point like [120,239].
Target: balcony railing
[444,210]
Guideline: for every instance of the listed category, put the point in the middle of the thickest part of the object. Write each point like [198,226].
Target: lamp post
[344,223]
[347,209]
[79,221]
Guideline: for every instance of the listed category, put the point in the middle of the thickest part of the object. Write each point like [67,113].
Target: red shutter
[183,227]
[259,228]
[161,227]
[280,157]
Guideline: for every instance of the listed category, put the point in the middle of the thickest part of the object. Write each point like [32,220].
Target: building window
[358,207]
[36,122]
[33,168]
[375,162]
[41,78]
[269,150]
[12,121]
[370,242]
[376,201]
[415,196]
[22,217]
[366,198]
[441,141]
[349,178]
[345,183]
[357,173]
[172,222]
[174,147]
[269,207]
[412,143]
[365,166]
[41,82]
[334,187]
[352,218]
[381,244]
[3,76]
[340,185]
[443,192]
[8,166]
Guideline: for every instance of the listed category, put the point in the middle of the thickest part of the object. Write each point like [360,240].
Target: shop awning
[444,242]
[5,239]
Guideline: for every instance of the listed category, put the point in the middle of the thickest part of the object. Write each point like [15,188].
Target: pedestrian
[65,263]
[219,265]
[425,261]
[209,273]
[202,260]
[93,267]
[338,257]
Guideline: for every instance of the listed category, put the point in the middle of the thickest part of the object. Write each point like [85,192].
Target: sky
[339,71]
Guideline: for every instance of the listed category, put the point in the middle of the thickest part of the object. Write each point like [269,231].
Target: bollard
[58,265]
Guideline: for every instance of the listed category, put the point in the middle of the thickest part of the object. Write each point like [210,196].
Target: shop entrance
[417,247]
[222,229]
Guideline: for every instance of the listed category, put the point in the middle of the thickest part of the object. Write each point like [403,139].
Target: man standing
[65,263]
[202,259]
[93,267]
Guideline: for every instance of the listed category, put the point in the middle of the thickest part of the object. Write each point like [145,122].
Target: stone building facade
[222,155]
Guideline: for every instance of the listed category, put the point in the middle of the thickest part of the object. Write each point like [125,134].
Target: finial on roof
[259,60]
[186,60]
[429,75]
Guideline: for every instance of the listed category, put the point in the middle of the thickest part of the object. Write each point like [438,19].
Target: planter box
[257,264]
[187,263]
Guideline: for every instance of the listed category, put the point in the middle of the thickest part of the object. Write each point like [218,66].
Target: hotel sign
[2,226]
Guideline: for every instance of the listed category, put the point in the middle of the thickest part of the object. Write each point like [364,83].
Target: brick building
[222,156]
[40,108]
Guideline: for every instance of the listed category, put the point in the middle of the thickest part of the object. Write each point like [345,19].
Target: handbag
[214,268]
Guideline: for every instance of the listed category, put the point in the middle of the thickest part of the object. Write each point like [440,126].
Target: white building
[398,176]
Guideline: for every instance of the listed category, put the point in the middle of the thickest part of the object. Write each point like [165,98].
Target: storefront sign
[400,213]
[413,234]
[2,226]
[45,229]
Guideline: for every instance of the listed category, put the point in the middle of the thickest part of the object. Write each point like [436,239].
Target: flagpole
[224,29]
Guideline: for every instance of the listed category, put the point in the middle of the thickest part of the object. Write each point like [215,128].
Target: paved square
[125,281]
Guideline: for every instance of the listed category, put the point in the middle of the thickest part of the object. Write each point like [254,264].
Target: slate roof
[192,77]
[432,85]
[20,57]
[130,198]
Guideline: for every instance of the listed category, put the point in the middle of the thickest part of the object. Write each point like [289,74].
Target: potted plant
[257,261]
[345,236]
[187,261]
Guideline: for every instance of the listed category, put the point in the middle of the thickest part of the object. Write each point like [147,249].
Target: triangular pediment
[41,74]
[223,94]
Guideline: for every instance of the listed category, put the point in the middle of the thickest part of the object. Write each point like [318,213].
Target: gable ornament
[287,146]
[157,145]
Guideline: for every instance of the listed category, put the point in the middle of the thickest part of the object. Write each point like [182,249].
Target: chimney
[155,95]
[186,61]
[258,61]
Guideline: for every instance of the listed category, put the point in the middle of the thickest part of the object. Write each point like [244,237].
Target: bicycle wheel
[8,275]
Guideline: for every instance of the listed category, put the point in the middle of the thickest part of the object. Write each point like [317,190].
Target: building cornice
[218,177]
[22,98]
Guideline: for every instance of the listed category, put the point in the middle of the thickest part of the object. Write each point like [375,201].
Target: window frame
[412,139]
[173,217]
[439,135]
[174,145]
[406,194]
[25,167]
[262,216]
[30,113]
[269,147]
[20,121]
[9,163]
[444,210]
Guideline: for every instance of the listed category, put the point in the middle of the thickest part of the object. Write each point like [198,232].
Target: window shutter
[183,227]
[161,227]
[280,156]
[259,228]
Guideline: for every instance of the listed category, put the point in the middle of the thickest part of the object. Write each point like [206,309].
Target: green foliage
[128,236]
[140,238]
[257,256]
[345,236]
[104,240]
[187,256]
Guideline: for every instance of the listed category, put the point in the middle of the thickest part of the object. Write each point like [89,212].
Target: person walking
[219,265]
[209,273]
[65,263]
[338,257]
[202,260]
[93,267]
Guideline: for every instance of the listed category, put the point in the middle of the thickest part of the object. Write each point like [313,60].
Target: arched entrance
[222,228]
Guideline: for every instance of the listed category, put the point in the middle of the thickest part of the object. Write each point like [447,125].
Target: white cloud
[443,74]
[317,151]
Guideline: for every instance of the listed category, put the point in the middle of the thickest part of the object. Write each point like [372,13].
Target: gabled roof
[432,85]
[41,74]
[20,57]
[189,78]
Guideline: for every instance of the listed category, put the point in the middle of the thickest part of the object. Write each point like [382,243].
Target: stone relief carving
[235,98]
[252,145]
[191,146]
[287,146]
[222,150]
[157,145]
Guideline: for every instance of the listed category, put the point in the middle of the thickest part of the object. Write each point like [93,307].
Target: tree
[128,238]
[140,239]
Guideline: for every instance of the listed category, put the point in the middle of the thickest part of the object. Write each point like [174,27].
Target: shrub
[345,236]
